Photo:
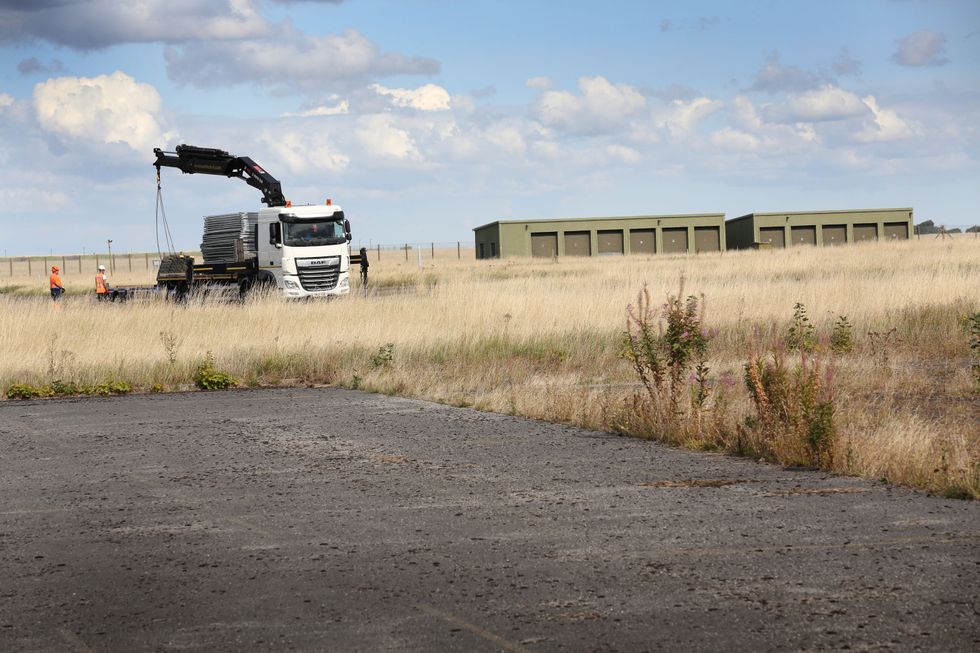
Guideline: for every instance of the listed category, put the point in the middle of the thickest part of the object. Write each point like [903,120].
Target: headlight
[344,283]
[289,283]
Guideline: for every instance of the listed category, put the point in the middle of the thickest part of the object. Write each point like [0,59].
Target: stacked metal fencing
[229,237]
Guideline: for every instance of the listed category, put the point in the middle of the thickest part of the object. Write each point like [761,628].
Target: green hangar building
[644,234]
[818,227]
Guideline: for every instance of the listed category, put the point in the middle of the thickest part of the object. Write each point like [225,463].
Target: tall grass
[545,339]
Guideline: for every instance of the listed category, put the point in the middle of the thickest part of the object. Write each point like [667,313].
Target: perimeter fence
[136,262]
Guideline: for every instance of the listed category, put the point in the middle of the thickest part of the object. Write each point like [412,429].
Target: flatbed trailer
[125,293]
[179,274]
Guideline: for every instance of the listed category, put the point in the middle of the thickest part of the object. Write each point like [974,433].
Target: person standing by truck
[102,290]
[54,282]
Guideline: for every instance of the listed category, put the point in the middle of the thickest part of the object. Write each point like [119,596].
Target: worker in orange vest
[54,281]
[102,289]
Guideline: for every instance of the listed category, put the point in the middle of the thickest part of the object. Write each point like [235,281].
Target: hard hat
[54,268]
[102,267]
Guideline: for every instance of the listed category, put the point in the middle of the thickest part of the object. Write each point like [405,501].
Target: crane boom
[210,161]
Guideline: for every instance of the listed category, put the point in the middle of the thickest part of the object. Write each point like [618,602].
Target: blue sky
[426,118]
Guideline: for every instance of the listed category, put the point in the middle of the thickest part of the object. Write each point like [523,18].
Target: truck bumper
[293,289]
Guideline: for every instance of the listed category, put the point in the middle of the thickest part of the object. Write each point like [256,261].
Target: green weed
[206,377]
[842,336]
[27,391]
[973,326]
[384,356]
[59,388]
[794,411]
[111,388]
[668,351]
[802,334]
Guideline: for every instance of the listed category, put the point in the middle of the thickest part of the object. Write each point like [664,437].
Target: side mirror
[347,230]
[275,234]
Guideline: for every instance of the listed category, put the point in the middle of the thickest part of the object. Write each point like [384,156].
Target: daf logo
[325,262]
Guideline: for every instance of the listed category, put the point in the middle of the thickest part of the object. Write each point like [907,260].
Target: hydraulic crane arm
[208,161]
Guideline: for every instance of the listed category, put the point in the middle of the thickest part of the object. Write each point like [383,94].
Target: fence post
[146,260]
[130,258]
[96,261]
[433,250]
[406,251]
[379,252]
[11,261]
[45,267]
[459,252]
[79,263]
[29,271]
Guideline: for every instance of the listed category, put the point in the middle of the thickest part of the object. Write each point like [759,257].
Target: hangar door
[707,239]
[896,231]
[578,243]
[834,234]
[611,242]
[774,236]
[804,235]
[867,231]
[643,241]
[544,245]
[675,240]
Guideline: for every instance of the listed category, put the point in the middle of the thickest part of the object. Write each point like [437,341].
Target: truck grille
[323,278]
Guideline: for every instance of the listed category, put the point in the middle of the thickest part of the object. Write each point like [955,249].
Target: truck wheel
[245,288]
[180,293]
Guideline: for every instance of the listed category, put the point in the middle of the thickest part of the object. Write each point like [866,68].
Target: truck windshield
[308,233]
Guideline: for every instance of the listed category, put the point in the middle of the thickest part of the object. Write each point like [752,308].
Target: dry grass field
[544,339]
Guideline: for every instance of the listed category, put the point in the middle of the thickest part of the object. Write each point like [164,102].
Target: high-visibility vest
[54,280]
[101,287]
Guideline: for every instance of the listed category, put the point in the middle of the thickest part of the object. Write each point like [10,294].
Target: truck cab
[305,250]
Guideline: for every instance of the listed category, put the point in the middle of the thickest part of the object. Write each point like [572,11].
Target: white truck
[304,251]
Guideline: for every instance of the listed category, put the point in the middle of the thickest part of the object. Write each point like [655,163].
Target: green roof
[605,217]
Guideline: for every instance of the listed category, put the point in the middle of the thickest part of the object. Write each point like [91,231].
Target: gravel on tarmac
[333,520]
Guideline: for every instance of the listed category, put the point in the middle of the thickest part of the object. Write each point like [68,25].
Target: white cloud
[105,109]
[289,61]
[340,109]
[425,98]
[622,153]
[5,100]
[886,125]
[743,114]
[33,199]
[748,132]
[600,107]
[509,139]
[734,140]
[922,48]
[681,116]
[822,104]
[381,138]
[548,150]
[304,151]
[538,82]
